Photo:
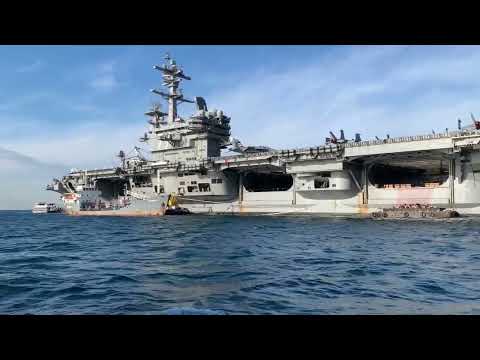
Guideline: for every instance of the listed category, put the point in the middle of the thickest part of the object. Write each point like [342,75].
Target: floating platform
[177,211]
[421,213]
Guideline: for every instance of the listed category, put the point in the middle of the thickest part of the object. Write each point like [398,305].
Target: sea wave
[222,265]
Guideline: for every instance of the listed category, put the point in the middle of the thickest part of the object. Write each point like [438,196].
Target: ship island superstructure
[339,177]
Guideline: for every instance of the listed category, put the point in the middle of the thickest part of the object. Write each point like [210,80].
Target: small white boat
[44,208]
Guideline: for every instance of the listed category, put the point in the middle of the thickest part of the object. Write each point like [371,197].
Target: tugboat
[416,211]
[45,208]
[173,208]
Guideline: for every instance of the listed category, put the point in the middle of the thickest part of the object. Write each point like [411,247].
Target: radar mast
[172,75]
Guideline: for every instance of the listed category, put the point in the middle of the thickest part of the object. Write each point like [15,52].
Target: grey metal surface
[185,159]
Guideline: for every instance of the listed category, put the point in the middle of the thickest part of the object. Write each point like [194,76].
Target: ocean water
[55,264]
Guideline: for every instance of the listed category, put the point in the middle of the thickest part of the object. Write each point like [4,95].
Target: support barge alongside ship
[415,213]
[341,176]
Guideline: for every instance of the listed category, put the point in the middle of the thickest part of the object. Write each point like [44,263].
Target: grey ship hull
[342,177]
[460,191]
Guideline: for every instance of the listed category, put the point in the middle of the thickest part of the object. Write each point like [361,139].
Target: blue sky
[76,106]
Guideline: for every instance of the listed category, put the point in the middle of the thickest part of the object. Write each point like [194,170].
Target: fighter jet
[237,146]
[476,123]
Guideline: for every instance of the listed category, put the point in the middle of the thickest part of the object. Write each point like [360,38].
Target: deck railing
[323,149]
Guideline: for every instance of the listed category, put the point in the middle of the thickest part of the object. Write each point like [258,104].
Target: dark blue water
[54,264]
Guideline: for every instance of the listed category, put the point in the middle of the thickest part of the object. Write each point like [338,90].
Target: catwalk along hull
[133,213]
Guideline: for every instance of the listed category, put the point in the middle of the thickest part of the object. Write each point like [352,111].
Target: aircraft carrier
[341,176]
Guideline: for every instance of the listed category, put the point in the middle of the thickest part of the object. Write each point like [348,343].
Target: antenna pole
[172,76]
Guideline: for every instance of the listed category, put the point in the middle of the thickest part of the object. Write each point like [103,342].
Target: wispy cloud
[35,66]
[23,180]
[105,78]
[369,90]
[89,144]
[398,90]
[13,160]
[18,102]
